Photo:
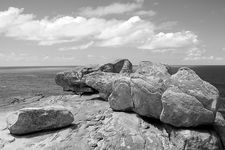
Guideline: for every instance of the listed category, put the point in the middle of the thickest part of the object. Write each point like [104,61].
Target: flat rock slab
[28,120]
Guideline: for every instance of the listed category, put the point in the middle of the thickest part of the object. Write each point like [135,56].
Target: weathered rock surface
[187,101]
[181,109]
[102,82]
[117,66]
[28,120]
[148,68]
[219,126]
[96,126]
[139,94]
[190,83]
[74,80]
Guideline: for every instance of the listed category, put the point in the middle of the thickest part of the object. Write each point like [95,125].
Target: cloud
[78,47]
[115,8]
[133,32]
[170,40]
[223,49]
[145,13]
[196,53]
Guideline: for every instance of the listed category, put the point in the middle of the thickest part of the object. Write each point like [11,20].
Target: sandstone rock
[181,109]
[148,68]
[139,94]
[219,126]
[72,81]
[190,83]
[198,139]
[28,120]
[102,82]
[117,66]
[98,127]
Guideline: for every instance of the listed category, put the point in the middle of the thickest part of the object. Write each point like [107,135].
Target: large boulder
[148,68]
[28,120]
[190,83]
[102,82]
[181,109]
[73,80]
[117,66]
[171,100]
[139,94]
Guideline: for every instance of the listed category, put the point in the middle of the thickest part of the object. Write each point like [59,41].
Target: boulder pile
[182,99]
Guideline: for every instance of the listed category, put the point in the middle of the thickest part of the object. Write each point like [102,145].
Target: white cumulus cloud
[99,32]
[115,8]
[170,40]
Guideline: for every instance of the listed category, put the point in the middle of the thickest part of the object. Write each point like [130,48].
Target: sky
[82,32]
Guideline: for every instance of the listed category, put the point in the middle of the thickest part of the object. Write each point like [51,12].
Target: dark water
[23,81]
[28,81]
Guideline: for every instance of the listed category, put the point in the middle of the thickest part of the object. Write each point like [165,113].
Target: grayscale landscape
[112,75]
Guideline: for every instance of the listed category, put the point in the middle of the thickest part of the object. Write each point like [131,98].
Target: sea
[31,81]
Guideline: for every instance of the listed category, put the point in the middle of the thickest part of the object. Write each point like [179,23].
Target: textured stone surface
[117,66]
[219,126]
[181,109]
[189,82]
[96,126]
[73,81]
[28,120]
[139,94]
[148,68]
[102,82]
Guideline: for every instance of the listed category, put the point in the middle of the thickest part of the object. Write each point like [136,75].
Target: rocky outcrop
[148,68]
[28,120]
[139,94]
[96,126]
[117,66]
[102,82]
[74,80]
[181,109]
[182,99]
[190,83]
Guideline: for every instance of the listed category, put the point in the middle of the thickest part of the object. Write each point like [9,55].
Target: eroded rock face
[102,82]
[173,100]
[117,66]
[219,126]
[190,83]
[96,126]
[181,109]
[73,80]
[139,94]
[148,68]
[182,100]
[28,120]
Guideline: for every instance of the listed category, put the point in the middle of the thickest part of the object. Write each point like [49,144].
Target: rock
[219,126]
[102,82]
[198,139]
[72,81]
[115,130]
[28,120]
[148,68]
[139,94]
[117,66]
[181,109]
[190,83]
